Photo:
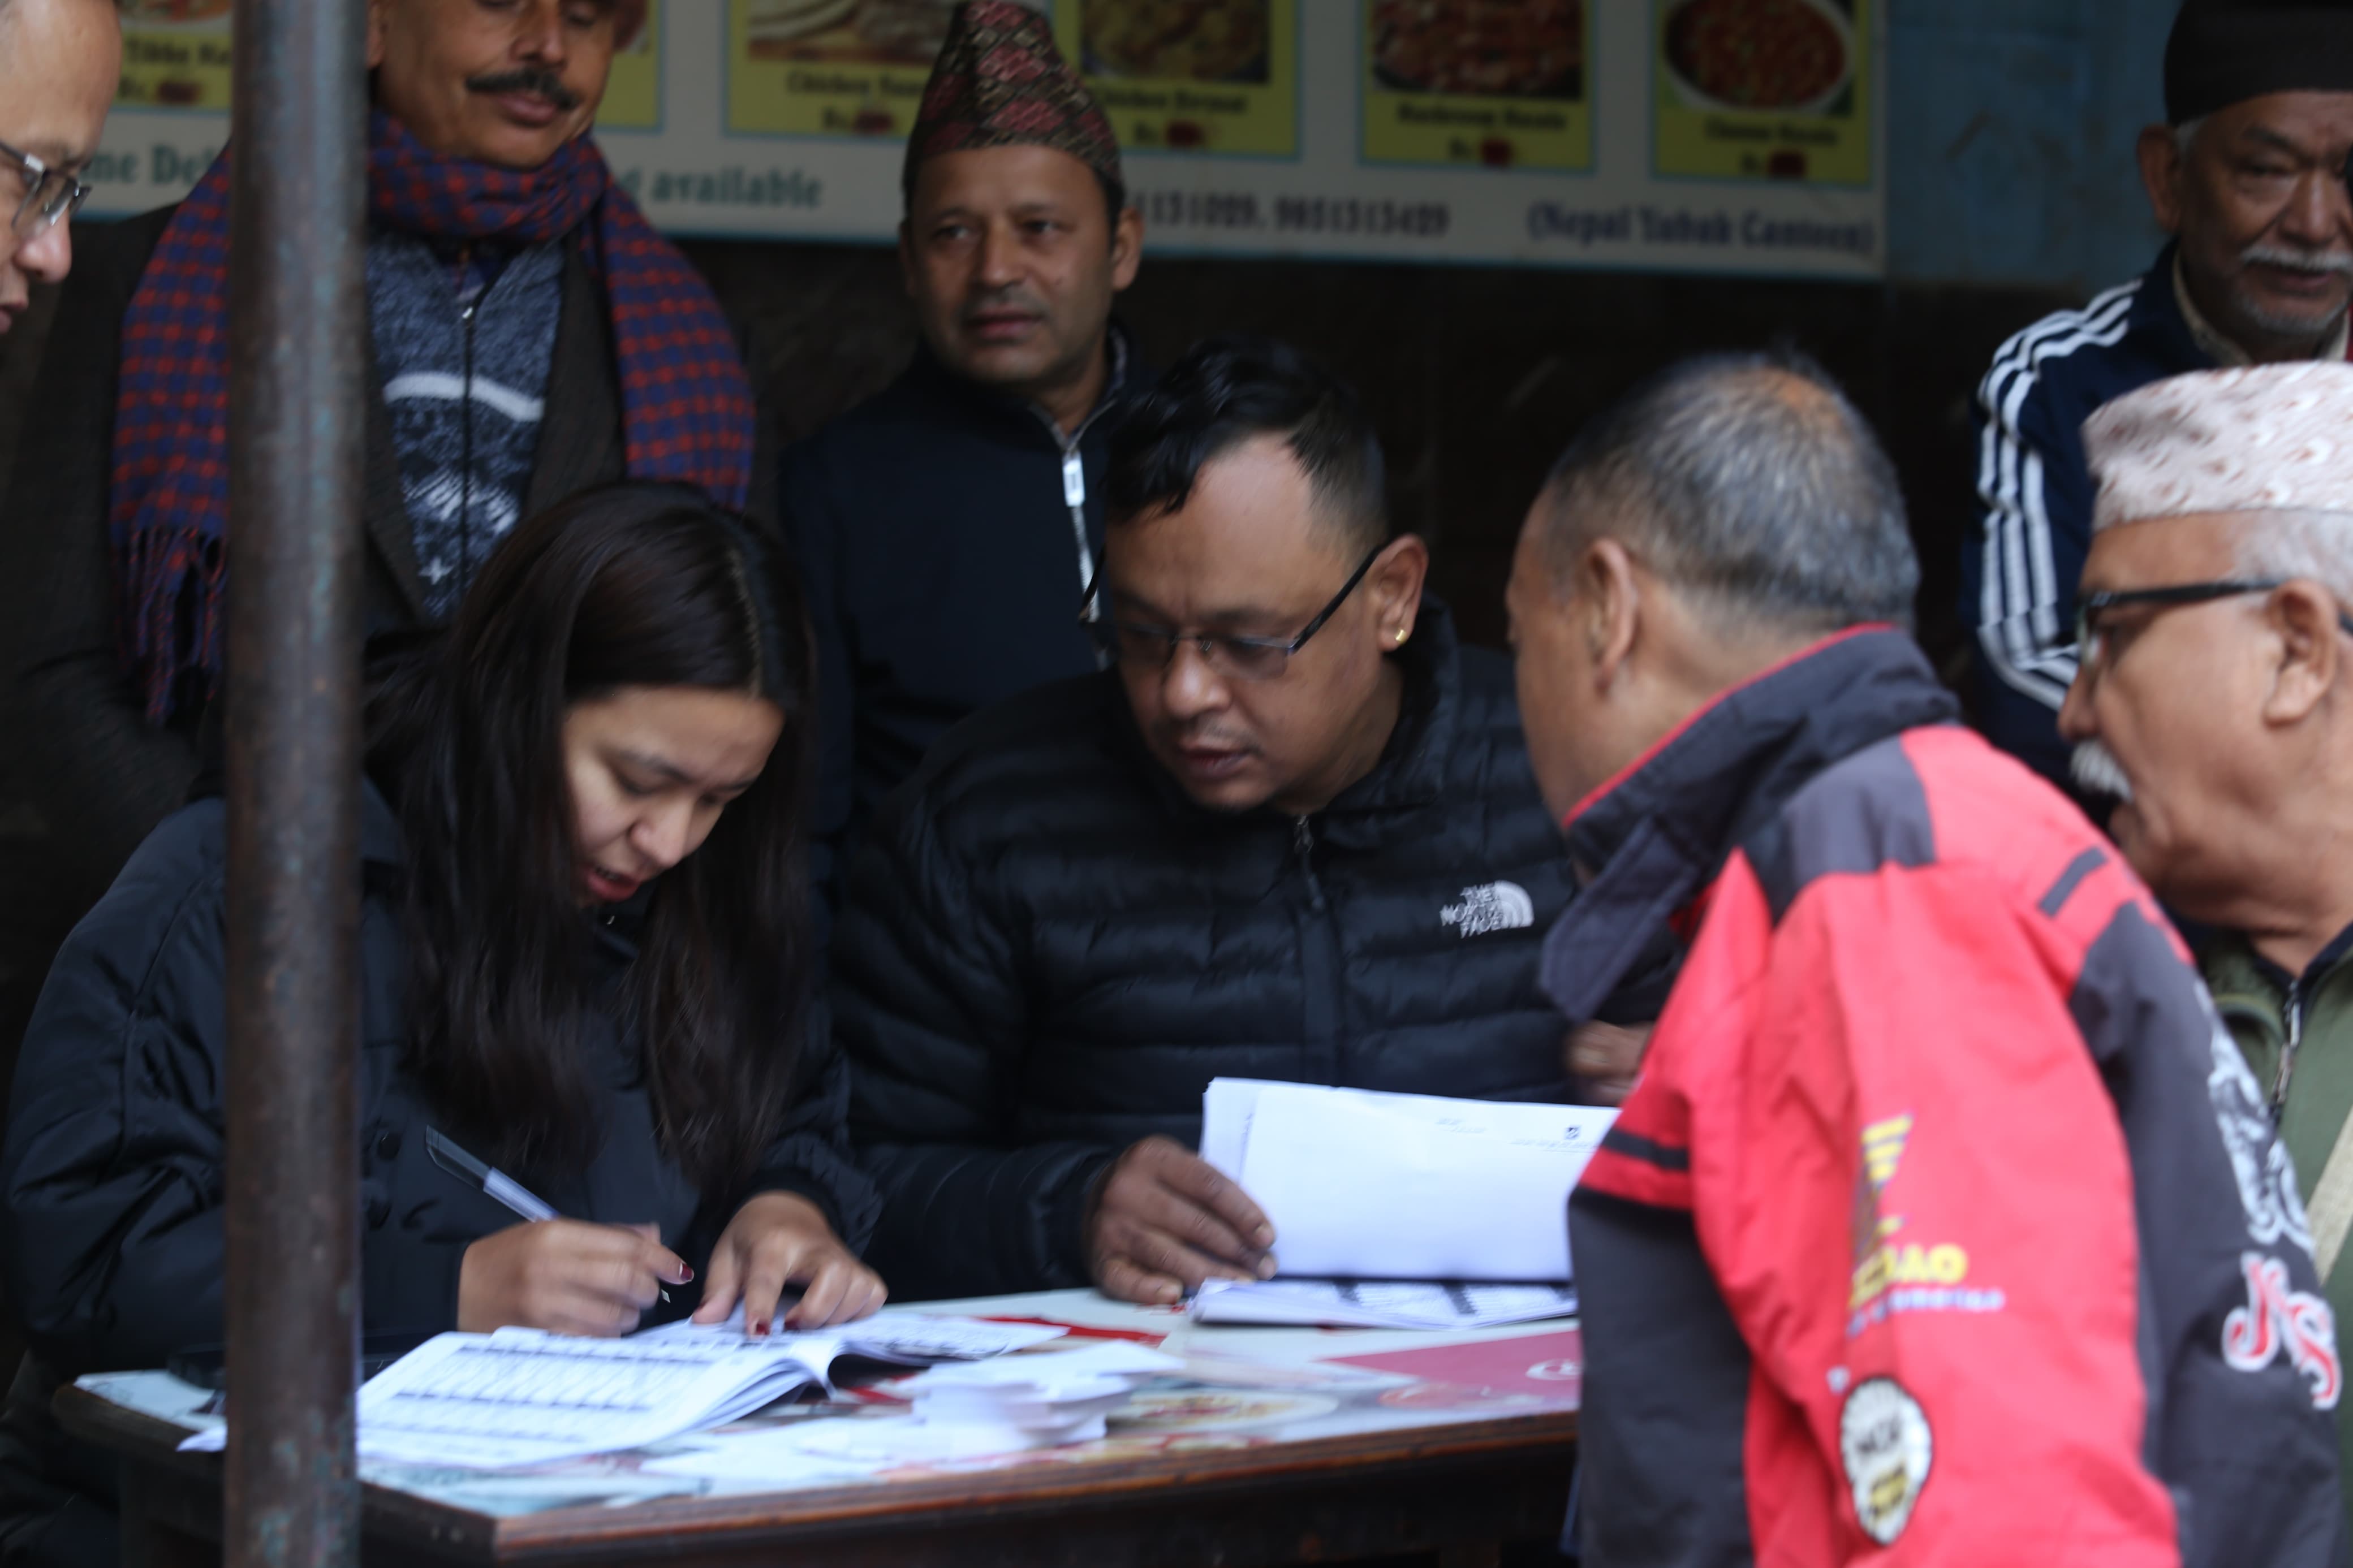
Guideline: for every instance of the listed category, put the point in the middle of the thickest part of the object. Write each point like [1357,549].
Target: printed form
[1365,1186]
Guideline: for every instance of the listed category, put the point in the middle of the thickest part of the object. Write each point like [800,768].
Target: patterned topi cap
[1000,83]
[2276,437]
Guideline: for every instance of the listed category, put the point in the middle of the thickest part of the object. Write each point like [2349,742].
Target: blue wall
[2011,128]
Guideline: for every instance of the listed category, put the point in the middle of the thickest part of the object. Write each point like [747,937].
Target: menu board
[1764,89]
[1491,83]
[1732,136]
[1208,78]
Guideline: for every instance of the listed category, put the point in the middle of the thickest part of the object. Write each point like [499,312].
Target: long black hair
[629,585]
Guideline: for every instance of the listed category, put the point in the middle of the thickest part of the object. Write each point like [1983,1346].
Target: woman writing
[584,958]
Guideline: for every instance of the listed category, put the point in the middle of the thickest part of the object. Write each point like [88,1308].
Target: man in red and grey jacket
[1944,1224]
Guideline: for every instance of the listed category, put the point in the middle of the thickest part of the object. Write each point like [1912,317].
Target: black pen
[490,1180]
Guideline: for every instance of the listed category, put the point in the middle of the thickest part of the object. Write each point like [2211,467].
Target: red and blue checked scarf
[686,404]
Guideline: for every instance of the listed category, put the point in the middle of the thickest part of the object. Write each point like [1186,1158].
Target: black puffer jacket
[110,1189]
[1048,952]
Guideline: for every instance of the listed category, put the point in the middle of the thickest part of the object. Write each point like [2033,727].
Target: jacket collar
[1650,840]
[2156,317]
[961,397]
[1412,773]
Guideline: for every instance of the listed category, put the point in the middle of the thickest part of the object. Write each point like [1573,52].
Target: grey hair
[2279,546]
[1750,479]
[2186,132]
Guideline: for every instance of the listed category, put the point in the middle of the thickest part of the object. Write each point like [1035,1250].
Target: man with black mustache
[2248,174]
[531,336]
[948,526]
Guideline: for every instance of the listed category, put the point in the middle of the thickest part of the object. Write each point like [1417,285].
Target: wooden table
[1455,1491]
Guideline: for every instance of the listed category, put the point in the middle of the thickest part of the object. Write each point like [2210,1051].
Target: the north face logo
[1497,906]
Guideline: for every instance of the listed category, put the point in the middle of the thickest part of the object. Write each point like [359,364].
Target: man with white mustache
[2248,175]
[2213,701]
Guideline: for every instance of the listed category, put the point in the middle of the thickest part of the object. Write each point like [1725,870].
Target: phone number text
[1293,215]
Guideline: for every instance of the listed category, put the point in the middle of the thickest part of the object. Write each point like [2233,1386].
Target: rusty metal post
[298,327]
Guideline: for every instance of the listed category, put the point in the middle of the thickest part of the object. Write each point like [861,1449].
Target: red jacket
[1945,1225]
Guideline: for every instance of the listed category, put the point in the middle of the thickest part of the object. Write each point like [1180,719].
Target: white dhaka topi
[2274,438]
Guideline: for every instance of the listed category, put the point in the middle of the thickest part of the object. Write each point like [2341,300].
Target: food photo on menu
[1176,40]
[862,32]
[1502,48]
[1789,55]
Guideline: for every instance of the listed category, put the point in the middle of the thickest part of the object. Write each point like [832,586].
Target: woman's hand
[566,1275]
[779,1239]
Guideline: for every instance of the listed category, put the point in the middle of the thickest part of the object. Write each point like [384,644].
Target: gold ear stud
[1400,634]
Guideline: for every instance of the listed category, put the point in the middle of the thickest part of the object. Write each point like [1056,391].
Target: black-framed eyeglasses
[1252,658]
[2091,638]
[51,195]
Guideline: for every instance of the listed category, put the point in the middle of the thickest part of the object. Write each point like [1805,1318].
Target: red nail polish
[760,1329]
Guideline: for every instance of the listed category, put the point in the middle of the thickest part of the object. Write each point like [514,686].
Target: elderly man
[946,526]
[529,336]
[1291,834]
[1943,1225]
[2215,700]
[2248,175]
[58,59]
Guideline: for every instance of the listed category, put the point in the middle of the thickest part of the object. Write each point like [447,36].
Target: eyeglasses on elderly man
[2095,632]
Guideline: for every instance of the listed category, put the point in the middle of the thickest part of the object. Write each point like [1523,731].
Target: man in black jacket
[945,528]
[1293,834]
[500,381]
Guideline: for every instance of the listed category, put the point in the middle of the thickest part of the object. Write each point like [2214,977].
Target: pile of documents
[1379,1303]
[522,1396]
[1364,1186]
[1035,1401]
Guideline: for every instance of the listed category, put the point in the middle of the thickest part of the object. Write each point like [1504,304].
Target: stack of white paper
[520,1397]
[1363,1185]
[1380,1304]
[1036,1401]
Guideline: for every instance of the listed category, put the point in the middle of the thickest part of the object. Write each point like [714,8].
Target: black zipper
[1302,844]
[1321,1002]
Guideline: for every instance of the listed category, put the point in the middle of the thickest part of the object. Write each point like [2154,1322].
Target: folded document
[1364,1185]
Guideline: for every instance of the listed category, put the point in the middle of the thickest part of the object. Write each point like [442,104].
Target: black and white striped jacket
[2020,564]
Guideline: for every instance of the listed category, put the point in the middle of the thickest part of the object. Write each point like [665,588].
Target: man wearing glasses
[2247,175]
[1292,834]
[1944,1224]
[58,61]
[2213,701]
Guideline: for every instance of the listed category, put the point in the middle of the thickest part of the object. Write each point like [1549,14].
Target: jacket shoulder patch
[1886,1449]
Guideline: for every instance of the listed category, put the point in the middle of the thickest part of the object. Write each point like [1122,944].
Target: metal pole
[297,322]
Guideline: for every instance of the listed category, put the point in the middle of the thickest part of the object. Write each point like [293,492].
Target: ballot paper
[1378,1304]
[1363,1185]
[522,1396]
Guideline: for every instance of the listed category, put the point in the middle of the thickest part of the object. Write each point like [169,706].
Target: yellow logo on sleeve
[1880,1262]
